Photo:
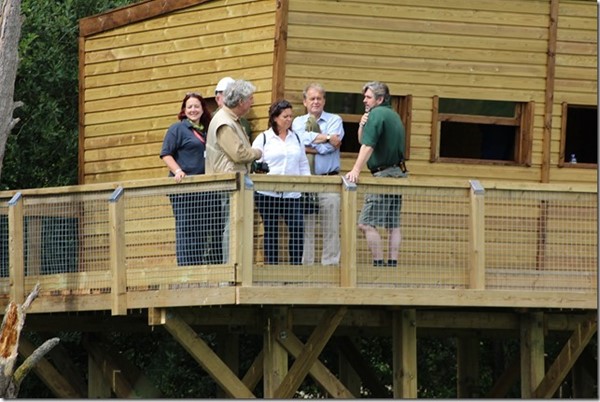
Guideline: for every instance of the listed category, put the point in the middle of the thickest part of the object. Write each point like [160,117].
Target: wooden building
[499,226]
[520,65]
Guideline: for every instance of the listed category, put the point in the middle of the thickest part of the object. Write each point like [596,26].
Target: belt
[334,173]
[383,167]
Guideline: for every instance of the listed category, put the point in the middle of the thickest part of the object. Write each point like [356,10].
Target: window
[350,107]
[481,131]
[579,136]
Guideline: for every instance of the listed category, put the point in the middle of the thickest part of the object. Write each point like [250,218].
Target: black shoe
[392,263]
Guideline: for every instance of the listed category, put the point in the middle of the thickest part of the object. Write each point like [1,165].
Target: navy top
[185,147]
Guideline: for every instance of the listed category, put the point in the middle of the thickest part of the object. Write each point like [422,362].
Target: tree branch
[33,359]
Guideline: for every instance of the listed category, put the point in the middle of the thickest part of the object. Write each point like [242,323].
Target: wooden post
[116,224]
[477,237]
[275,365]
[404,338]
[348,376]
[549,98]
[97,386]
[532,352]
[16,240]
[348,227]
[244,231]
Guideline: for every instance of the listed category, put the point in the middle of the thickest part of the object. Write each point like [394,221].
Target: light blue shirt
[327,158]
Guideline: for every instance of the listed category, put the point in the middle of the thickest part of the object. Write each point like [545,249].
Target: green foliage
[42,149]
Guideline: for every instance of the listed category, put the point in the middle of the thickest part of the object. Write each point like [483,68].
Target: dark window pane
[337,102]
[582,134]
[350,141]
[477,141]
[477,107]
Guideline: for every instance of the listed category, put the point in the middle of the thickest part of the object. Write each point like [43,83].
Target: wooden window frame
[563,140]
[523,120]
[401,104]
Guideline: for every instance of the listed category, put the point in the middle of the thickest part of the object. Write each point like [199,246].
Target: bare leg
[394,243]
[373,240]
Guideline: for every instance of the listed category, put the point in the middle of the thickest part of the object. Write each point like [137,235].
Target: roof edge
[121,16]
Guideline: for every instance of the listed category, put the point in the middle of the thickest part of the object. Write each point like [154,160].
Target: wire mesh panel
[174,235]
[4,261]
[412,237]
[297,234]
[66,241]
[541,240]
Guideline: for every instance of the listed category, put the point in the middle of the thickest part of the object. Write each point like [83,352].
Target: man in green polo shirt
[381,135]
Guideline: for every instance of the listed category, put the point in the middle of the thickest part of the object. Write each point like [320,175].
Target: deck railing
[115,245]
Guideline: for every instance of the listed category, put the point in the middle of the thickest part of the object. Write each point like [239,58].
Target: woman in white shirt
[285,155]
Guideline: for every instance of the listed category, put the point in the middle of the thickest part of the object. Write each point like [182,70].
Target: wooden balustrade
[454,248]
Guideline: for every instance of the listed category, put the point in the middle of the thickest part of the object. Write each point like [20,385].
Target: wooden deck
[465,244]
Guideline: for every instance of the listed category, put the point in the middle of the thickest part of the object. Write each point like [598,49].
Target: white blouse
[284,157]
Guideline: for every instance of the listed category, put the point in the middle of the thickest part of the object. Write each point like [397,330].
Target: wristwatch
[328,137]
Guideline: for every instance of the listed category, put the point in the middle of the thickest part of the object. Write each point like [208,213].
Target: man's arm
[334,129]
[363,156]
[234,148]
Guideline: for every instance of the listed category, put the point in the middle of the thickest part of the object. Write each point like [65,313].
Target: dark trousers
[198,228]
[271,209]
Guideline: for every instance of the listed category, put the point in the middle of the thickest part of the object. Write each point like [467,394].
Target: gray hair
[379,89]
[316,86]
[237,92]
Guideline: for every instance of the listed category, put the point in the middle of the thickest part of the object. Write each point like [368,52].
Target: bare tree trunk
[10,33]
[12,324]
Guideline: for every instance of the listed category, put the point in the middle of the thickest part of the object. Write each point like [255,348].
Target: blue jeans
[198,228]
[270,209]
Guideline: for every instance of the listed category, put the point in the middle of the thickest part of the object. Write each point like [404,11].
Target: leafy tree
[42,150]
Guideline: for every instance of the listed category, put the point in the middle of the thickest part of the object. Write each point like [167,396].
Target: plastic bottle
[573,159]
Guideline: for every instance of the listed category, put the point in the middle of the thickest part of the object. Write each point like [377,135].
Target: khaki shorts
[383,209]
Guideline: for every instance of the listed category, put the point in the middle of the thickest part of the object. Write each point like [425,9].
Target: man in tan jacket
[227,146]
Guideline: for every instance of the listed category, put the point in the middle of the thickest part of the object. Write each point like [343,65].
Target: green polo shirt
[384,132]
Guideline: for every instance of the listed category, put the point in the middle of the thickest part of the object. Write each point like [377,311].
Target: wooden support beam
[549,91]
[243,226]
[566,359]
[321,374]
[362,367]
[255,372]
[280,49]
[348,376]
[98,388]
[477,237]
[116,223]
[311,351]
[59,355]
[275,365]
[205,356]
[348,240]
[532,352]
[506,380]
[16,241]
[404,344]
[467,356]
[123,378]
[59,385]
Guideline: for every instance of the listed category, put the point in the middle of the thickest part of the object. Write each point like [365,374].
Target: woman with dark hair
[284,154]
[197,231]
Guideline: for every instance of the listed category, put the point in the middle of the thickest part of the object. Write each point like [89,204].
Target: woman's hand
[179,175]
